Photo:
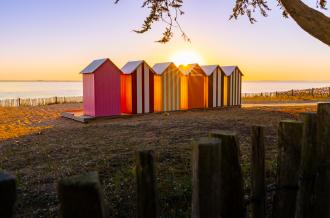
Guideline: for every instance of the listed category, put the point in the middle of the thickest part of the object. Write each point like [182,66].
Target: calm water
[51,89]
[39,89]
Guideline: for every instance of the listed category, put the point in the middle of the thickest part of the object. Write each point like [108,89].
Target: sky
[56,39]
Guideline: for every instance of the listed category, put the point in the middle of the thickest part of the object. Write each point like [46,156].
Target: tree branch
[312,21]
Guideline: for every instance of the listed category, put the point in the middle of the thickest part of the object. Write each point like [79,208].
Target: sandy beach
[40,148]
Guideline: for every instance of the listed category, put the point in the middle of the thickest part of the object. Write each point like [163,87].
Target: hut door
[196,91]
[225,91]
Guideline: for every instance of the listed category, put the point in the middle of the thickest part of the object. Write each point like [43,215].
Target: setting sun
[187,57]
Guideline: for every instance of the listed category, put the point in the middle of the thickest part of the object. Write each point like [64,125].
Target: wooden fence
[314,93]
[302,183]
[39,101]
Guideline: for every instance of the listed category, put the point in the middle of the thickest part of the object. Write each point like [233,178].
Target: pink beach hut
[101,88]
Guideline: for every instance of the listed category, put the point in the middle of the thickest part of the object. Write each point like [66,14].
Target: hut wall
[171,89]
[214,89]
[235,88]
[88,94]
[107,90]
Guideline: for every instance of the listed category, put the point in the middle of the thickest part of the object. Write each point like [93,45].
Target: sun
[186,57]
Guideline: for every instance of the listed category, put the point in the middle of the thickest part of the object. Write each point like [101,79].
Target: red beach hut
[138,88]
[101,88]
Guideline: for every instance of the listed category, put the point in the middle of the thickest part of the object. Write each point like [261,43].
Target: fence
[39,101]
[314,93]
[302,183]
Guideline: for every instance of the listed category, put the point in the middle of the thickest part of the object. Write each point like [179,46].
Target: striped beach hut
[170,86]
[194,87]
[215,77]
[232,85]
[101,88]
[138,88]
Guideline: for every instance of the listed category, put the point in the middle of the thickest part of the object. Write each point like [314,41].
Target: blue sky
[55,39]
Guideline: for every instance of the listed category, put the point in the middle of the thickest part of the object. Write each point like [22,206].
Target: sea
[44,89]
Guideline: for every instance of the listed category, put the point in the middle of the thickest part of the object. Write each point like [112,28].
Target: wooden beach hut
[194,86]
[215,77]
[140,88]
[232,85]
[101,88]
[169,76]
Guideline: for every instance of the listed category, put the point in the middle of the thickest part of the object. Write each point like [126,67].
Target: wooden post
[81,196]
[147,201]
[322,192]
[231,180]
[206,178]
[7,195]
[292,92]
[258,191]
[305,196]
[289,144]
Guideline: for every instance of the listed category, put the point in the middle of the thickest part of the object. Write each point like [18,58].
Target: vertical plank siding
[171,89]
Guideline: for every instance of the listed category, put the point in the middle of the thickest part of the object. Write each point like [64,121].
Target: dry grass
[67,148]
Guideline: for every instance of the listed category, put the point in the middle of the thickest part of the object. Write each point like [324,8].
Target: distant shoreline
[274,81]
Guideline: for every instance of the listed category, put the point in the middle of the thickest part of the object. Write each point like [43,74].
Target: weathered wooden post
[7,195]
[231,180]
[322,192]
[81,196]
[147,199]
[206,178]
[305,196]
[258,191]
[289,144]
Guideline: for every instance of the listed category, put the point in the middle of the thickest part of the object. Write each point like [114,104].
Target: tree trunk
[309,19]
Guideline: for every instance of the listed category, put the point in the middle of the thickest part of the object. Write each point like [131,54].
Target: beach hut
[232,85]
[194,87]
[169,76]
[215,77]
[101,88]
[139,88]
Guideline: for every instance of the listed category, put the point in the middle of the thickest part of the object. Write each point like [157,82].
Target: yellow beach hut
[168,99]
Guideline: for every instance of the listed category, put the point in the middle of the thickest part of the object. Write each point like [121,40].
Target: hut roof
[131,66]
[94,66]
[209,69]
[228,70]
[186,70]
[160,68]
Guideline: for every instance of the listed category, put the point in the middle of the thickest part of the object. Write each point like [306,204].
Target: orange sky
[48,40]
